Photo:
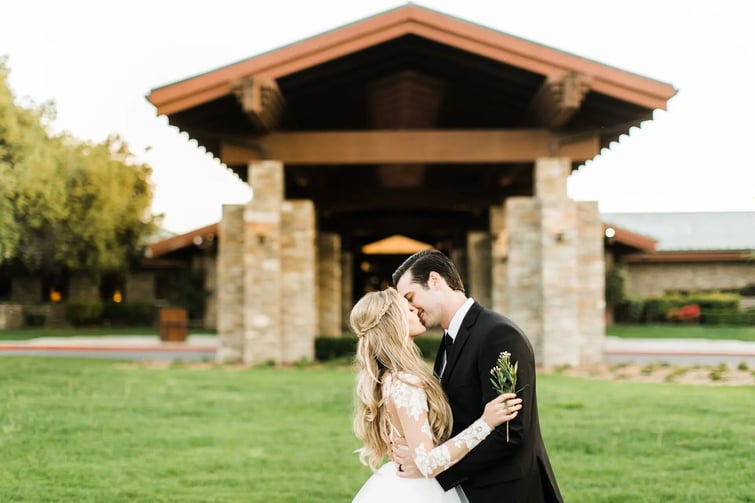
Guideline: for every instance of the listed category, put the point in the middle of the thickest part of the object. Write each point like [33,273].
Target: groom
[513,470]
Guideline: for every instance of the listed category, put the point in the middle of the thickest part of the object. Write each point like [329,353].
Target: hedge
[330,348]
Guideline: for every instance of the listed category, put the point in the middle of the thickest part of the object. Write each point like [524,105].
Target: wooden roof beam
[261,100]
[557,100]
[408,147]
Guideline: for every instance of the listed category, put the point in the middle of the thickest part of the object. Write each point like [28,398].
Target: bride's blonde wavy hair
[383,346]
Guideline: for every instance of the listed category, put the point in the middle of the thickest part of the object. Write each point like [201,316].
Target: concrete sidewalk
[120,347]
[203,347]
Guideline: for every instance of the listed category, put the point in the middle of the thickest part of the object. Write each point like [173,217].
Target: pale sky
[98,59]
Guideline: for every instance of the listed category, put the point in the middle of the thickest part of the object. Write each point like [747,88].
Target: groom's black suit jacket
[495,470]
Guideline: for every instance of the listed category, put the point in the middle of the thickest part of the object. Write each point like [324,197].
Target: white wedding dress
[407,412]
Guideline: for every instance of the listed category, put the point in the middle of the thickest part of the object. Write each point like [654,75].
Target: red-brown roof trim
[632,239]
[174,243]
[415,20]
[726,256]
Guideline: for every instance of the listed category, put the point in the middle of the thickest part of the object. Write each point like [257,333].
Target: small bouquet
[503,379]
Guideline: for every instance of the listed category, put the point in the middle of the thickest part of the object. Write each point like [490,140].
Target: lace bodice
[407,407]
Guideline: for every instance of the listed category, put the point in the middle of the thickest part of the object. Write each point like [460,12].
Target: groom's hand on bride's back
[401,456]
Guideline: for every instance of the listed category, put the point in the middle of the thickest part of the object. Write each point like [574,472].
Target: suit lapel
[461,339]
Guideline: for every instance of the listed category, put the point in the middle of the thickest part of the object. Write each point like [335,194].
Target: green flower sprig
[503,379]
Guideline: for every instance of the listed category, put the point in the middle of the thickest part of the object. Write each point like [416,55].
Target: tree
[67,204]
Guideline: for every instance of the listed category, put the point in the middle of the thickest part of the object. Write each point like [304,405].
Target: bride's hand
[501,409]
[400,455]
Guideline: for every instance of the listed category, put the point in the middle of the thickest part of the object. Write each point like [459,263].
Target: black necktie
[448,341]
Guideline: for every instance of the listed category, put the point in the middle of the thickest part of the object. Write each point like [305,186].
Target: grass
[742,333]
[95,431]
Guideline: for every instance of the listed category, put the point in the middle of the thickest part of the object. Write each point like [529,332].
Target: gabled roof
[708,231]
[421,22]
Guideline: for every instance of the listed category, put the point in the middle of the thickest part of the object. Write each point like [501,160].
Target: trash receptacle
[174,324]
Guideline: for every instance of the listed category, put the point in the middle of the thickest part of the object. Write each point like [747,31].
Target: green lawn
[98,431]
[743,333]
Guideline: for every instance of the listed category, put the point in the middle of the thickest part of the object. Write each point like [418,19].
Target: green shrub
[130,313]
[331,348]
[35,320]
[657,307]
[428,346]
[630,310]
[84,313]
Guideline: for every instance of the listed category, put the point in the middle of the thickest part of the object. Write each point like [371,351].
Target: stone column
[298,304]
[347,289]
[479,267]
[499,256]
[209,267]
[329,284]
[543,266]
[262,264]
[523,281]
[590,282]
[230,285]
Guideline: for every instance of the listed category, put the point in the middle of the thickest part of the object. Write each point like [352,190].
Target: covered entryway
[419,124]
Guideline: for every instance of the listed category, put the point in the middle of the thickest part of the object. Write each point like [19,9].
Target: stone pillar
[543,272]
[591,301]
[523,283]
[347,289]
[230,285]
[479,267]
[329,284]
[499,256]
[262,265]
[210,269]
[459,258]
[561,341]
[298,304]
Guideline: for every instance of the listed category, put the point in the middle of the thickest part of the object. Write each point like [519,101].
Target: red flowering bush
[688,313]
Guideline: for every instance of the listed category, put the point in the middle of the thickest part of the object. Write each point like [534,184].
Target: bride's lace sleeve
[410,402]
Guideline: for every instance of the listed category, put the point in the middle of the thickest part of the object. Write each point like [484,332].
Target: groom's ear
[435,280]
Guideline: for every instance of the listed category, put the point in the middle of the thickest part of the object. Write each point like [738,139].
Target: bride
[397,395]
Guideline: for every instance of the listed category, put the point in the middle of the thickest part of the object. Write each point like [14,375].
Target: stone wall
[11,316]
[646,279]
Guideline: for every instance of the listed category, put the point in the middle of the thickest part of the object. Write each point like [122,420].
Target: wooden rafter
[261,100]
[557,100]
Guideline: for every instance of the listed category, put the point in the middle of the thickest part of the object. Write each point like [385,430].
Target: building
[415,123]
[682,252]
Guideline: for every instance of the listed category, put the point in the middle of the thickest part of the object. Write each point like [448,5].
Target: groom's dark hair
[422,263]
